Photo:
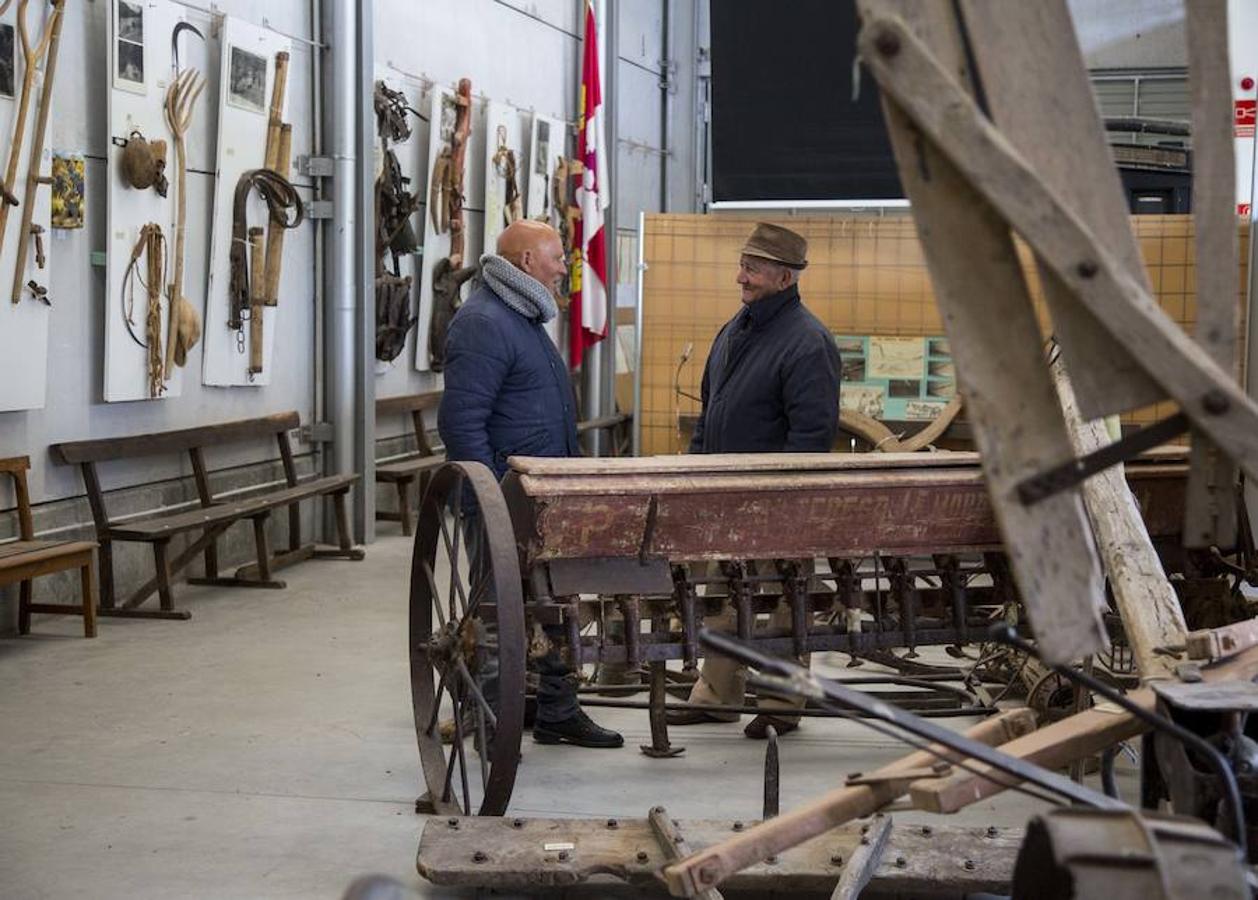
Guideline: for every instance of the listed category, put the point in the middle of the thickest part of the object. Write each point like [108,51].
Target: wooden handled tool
[52,41]
[181,98]
[275,230]
[275,121]
[257,282]
[31,57]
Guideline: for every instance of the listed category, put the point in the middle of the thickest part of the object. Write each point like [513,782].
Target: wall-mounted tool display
[252,190]
[26,236]
[504,177]
[445,203]
[395,235]
[26,31]
[144,189]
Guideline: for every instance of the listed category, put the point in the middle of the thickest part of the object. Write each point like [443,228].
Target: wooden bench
[415,468]
[212,518]
[412,469]
[26,558]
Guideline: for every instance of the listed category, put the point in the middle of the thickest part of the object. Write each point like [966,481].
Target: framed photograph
[130,62]
[7,76]
[541,155]
[246,82]
[130,21]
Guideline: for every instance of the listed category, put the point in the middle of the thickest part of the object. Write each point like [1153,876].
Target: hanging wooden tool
[275,229]
[257,287]
[155,250]
[445,194]
[181,98]
[31,57]
[151,244]
[505,165]
[33,178]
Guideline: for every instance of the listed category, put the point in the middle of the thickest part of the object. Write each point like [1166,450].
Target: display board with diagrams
[898,379]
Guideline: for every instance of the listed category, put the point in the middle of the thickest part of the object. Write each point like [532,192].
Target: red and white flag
[588,311]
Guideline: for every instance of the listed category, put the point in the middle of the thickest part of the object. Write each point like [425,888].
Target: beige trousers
[722,681]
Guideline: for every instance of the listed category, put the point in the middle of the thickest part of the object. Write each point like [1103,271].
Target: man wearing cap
[771,385]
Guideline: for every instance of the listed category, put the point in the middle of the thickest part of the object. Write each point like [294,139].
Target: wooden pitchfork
[181,97]
[31,58]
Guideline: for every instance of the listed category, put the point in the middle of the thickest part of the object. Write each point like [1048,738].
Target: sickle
[174,40]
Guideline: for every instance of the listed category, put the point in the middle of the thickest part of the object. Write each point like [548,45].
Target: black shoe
[577,729]
[758,728]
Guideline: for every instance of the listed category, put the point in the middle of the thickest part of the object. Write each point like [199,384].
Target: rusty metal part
[841,505]
[660,747]
[793,679]
[446,652]
[1089,853]
[516,857]
[772,775]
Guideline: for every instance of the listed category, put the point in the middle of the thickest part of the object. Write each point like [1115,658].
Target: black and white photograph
[246,85]
[130,63]
[7,75]
[541,156]
[131,21]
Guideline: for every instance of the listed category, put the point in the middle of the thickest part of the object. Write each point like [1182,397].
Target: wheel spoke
[456,583]
[458,751]
[436,704]
[483,752]
[436,594]
[475,691]
[449,779]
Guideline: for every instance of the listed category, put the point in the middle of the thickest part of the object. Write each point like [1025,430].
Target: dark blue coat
[771,383]
[507,391]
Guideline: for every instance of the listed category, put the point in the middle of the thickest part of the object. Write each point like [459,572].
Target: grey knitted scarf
[520,291]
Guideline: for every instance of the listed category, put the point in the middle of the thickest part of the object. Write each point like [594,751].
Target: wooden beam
[721,860]
[1210,516]
[1063,742]
[1039,96]
[990,321]
[1152,618]
[946,118]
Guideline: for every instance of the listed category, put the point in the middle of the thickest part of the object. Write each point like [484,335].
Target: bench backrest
[394,406]
[177,441]
[15,467]
[414,405]
[190,440]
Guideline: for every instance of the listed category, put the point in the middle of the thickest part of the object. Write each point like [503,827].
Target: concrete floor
[265,749]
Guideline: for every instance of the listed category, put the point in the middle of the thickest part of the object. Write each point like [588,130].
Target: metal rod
[609,703]
[1063,477]
[795,679]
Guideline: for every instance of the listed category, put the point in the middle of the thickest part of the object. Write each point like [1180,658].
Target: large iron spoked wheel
[467,667]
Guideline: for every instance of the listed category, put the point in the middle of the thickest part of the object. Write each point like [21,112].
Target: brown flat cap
[778,244]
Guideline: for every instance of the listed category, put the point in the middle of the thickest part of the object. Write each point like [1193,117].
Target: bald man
[506,394]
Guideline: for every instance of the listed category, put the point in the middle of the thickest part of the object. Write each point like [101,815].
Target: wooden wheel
[467,666]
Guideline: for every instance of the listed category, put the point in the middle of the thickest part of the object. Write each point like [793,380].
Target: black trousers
[556,692]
